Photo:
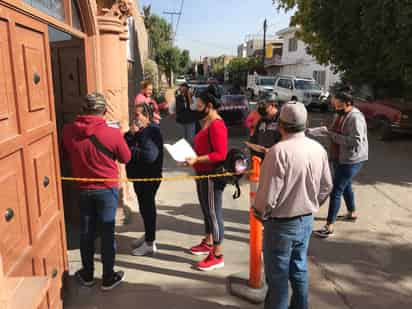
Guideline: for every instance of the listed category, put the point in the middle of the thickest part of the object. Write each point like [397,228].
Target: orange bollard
[256,231]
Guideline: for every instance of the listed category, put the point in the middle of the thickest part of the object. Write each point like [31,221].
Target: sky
[217,27]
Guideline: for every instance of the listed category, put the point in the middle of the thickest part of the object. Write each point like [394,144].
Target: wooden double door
[32,227]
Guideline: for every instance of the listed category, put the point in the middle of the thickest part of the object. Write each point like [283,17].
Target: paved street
[366,265]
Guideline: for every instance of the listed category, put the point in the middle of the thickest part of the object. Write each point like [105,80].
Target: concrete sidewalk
[168,280]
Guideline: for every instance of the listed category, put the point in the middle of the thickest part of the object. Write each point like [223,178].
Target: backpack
[237,163]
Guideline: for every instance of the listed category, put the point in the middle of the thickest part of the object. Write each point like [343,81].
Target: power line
[180,15]
[172,15]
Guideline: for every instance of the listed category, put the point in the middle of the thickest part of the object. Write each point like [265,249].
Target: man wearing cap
[295,180]
[92,147]
[267,132]
[186,114]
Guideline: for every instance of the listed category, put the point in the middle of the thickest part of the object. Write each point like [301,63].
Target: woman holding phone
[146,144]
[210,145]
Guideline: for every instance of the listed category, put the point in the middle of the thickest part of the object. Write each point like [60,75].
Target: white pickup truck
[305,90]
[259,85]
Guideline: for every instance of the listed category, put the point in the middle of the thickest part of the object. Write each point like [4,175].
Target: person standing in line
[295,180]
[146,144]
[349,151]
[145,97]
[211,147]
[267,129]
[92,147]
[187,117]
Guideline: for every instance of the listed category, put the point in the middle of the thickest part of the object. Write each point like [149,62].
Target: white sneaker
[145,249]
[138,242]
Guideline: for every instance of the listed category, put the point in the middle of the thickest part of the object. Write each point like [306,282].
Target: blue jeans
[342,185]
[98,207]
[285,254]
[189,130]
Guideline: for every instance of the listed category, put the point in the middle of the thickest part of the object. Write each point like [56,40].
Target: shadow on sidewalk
[129,295]
[371,274]
[171,219]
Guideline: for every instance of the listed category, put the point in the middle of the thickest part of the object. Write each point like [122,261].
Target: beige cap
[294,115]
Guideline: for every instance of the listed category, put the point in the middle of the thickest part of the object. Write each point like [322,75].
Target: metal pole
[265,28]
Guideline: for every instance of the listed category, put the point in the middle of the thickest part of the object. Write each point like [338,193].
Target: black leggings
[210,194]
[146,194]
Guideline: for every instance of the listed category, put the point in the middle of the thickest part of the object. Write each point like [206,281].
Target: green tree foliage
[369,41]
[159,30]
[169,58]
[184,62]
[239,67]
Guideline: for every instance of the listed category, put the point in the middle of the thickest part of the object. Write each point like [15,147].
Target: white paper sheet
[318,132]
[180,151]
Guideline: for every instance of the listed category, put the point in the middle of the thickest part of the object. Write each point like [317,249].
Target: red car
[388,116]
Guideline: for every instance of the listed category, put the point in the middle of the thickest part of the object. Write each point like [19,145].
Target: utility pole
[172,17]
[265,29]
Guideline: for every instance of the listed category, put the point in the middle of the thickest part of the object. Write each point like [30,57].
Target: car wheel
[385,132]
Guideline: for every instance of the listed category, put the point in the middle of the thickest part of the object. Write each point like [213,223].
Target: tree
[239,67]
[169,61]
[184,62]
[169,58]
[159,30]
[369,41]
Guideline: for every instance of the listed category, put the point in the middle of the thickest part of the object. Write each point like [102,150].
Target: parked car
[180,80]
[197,89]
[234,110]
[387,117]
[258,85]
[305,90]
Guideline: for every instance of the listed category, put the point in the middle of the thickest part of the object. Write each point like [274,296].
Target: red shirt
[88,162]
[337,127]
[216,152]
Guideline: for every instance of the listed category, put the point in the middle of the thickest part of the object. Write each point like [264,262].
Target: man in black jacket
[267,132]
[185,116]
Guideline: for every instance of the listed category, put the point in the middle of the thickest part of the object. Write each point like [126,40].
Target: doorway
[70,86]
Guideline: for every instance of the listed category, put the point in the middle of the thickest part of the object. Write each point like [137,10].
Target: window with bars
[293,44]
[320,77]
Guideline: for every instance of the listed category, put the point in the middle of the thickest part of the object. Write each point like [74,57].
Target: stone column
[110,54]
[112,38]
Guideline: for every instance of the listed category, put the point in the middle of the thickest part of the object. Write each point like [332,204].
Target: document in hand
[318,132]
[180,151]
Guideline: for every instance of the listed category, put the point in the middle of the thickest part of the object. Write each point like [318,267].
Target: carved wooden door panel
[68,61]
[30,203]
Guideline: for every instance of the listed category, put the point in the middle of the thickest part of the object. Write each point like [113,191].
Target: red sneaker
[202,249]
[211,262]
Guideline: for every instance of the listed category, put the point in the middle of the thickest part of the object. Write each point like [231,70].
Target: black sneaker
[113,282]
[325,232]
[84,279]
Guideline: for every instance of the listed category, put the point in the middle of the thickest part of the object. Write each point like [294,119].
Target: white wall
[301,64]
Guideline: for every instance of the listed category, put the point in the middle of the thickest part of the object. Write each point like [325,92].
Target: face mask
[262,111]
[204,113]
[340,112]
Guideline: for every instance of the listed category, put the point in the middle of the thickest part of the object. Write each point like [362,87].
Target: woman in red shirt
[210,145]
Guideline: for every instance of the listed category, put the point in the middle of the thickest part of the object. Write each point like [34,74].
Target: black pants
[210,194]
[146,195]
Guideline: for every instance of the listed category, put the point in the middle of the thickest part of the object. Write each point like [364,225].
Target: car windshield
[302,84]
[267,82]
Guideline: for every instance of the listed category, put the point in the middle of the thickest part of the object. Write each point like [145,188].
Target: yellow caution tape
[171,178]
